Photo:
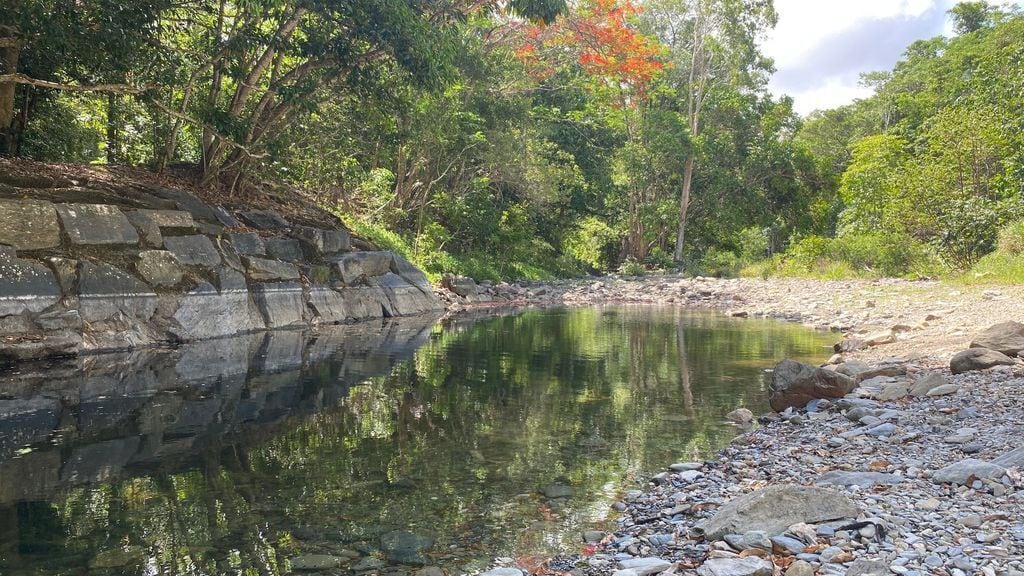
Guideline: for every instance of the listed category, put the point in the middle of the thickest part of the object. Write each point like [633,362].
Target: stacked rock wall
[81,275]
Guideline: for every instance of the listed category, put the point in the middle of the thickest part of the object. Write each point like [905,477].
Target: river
[383,446]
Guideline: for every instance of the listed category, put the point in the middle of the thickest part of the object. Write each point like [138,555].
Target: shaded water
[232,457]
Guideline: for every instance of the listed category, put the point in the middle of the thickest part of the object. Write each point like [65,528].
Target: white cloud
[821,47]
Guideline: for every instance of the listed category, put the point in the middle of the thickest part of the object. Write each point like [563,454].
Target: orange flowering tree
[602,38]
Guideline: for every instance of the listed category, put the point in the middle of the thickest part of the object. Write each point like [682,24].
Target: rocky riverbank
[910,468]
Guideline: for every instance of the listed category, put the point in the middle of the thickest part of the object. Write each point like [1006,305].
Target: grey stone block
[195,250]
[205,313]
[159,267]
[174,219]
[248,244]
[225,217]
[262,269]
[328,304]
[281,303]
[96,224]
[284,249]
[148,229]
[103,291]
[264,219]
[365,302]
[322,241]
[405,299]
[26,286]
[28,224]
[356,266]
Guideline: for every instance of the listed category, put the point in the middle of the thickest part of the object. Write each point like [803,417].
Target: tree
[970,16]
[712,45]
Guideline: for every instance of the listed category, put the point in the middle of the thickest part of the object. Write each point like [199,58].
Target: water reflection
[233,456]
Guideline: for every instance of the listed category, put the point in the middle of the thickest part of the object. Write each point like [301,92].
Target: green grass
[996,268]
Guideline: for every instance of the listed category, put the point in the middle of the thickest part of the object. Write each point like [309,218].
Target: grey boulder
[978,359]
[794,384]
[776,508]
[1005,337]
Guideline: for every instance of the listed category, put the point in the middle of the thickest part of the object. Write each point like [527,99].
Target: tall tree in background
[713,44]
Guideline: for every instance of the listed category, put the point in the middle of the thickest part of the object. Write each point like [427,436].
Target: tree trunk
[10,51]
[684,204]
[113,130]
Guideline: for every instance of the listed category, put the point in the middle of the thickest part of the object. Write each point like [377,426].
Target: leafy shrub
[1011,238]
[631,267]
[852,255]
[719,263]
[593,243]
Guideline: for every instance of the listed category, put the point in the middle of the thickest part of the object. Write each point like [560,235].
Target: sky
[821,47]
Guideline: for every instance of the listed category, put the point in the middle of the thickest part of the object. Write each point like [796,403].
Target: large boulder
[794,384]
[776,508]
[1005,337]
[978,359]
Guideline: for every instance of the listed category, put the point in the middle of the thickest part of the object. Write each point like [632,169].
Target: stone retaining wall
[159,266]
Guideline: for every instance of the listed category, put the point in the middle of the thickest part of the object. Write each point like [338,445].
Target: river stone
[965,471]
[284,249]
[262,269]
[248,244]
[405,547]
[462,285]
[315,562]
[147,228]
[174,219]
[926,384]
[893,391]
[775,508]
[96,224]
[794,384]
[943,390]
[1005,337]
[800,568]
[853,368]
[1013,458]
[862,479]
[159,267]
[740,416]
[103,291]
[749,566]
[26,286]
[263,219]
[203,313]
[323,241]
[865,567]
[281,303]
[503,572]
[978,359]
[194,250]
[356,266]
[28,224]
[558,491]
[645,566]
[368,564]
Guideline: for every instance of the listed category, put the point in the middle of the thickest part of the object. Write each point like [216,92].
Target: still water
[236,456]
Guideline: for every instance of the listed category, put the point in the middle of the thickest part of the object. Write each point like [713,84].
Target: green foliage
[1011,238]
[594,243]
[852,255]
